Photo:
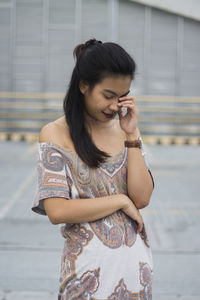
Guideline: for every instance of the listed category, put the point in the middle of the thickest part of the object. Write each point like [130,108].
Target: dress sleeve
[144,154]
[53,180]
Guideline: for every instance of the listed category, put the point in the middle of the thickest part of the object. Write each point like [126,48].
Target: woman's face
[101,101]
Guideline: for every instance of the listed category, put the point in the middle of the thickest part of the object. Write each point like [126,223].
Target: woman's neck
[94,125]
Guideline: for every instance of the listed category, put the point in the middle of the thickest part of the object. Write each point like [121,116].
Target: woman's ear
[83,86]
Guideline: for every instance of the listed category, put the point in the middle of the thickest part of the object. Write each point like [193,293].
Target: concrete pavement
[31,247]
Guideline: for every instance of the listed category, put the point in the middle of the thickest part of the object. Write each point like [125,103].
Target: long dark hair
[94,61]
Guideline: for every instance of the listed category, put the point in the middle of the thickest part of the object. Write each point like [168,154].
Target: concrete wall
[37,38]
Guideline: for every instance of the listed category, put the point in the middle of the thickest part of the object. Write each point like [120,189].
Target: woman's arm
[61,210]
[140,184]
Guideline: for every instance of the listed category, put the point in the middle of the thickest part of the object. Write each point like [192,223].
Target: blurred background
[37,38]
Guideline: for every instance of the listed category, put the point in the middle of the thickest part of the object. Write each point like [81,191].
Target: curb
[150,140]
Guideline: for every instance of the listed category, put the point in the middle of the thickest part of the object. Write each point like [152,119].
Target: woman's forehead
[116,83]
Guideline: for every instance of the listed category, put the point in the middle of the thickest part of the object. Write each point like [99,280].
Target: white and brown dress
[103,259]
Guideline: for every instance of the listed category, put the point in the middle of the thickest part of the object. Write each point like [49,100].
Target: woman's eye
[108,97]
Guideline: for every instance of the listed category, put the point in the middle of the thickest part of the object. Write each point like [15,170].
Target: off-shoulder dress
[103,259]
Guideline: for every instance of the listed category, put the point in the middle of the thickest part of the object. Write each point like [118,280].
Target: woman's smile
[109,115]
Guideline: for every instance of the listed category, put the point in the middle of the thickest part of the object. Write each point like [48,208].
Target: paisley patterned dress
[103,259]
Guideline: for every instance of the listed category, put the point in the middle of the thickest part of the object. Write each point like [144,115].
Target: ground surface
[31,247]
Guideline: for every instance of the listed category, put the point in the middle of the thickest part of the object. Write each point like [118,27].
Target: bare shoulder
[47,132]
[56,132]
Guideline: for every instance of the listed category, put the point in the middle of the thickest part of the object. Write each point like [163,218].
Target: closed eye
[108,97]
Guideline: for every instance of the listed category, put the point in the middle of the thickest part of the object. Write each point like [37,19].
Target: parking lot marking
[17,195]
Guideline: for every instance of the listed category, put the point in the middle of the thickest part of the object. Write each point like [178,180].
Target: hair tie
[92,42]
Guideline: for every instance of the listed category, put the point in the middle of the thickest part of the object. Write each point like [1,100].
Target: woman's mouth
[109,115]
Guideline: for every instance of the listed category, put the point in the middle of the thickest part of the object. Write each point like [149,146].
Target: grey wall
[37,38]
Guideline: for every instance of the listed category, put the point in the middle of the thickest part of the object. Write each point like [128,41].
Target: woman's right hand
[131,210]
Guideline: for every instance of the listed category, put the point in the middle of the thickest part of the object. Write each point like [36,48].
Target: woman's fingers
[127,98]
[139,220]
[131,210]
[125,102]
[130,105]
[140,226]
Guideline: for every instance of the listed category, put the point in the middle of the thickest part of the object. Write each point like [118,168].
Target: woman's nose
[113,105]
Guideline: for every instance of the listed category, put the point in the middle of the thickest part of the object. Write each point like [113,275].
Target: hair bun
[81,47]
[92,42]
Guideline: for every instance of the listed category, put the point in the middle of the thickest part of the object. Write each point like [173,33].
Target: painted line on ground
[18,194]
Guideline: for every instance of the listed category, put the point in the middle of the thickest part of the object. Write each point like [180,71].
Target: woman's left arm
[139,182]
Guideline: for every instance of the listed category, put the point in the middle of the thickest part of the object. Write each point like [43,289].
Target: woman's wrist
[133,135]
[124,201]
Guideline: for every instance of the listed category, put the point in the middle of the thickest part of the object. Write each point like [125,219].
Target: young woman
[93,176]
